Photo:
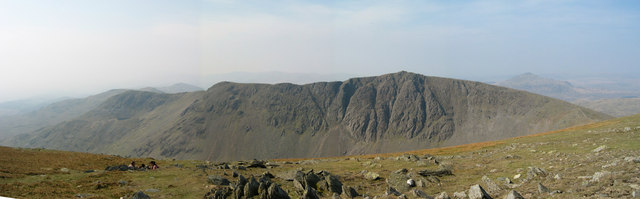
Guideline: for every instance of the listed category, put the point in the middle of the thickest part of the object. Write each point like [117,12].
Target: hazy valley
[618,98]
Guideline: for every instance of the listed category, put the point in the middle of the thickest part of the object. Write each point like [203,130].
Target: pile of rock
[323,183]
[243,188]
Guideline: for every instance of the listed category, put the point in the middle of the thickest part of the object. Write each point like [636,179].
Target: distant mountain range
[274,77]
[230,121]
[17,107]
[615,102]
[42,115]
[175,88]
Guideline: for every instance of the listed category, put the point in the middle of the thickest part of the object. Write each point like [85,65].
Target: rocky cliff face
[393,112]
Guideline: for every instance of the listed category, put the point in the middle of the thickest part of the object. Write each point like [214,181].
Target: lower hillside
[599,160]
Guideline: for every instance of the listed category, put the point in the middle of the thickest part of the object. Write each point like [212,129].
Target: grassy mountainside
[598,160]
[388,113]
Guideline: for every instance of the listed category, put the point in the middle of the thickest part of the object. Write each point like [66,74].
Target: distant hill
[230,121]
[610,101]
[51,114]
[544,86]
[175,88]
[17,107]
[275,77]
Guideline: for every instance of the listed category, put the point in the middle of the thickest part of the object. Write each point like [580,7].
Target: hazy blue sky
[89,46]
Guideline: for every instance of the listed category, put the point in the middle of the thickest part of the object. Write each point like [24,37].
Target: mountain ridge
[393,112]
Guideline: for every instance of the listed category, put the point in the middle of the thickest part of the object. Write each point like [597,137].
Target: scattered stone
[636,194]
[64,170]
[555,192]
[308,162]
[419,183]
[433,179]
[234,174]
[459,195]
[598,175]
[140,195]
[122,182]
[201,166]
[89,171]
[600,148]
[403,196]
[334,183]
[477,192]
[517,176]
[223,166]
[372,176]
[398,180]
[426,163]
[507,181]
[271,165]
[121,167]
[268,175]
[535,172]
[323,187]
[513,195]
[83,195]
[349,192]
[287,175]
[335,196]
[218,193]
[257,164]
[298,185]
[275,192]
[152,190]
[408,157]
[557,177]
[420,194]
[542,188]
[443,195]
[218,180]
[391,191]
[511,157]
[493,170]
[440,172]
[251,188]
[263,189]
[411,183]
[310,193]
[492,187]
[632,159]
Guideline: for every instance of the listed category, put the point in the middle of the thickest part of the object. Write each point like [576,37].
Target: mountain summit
[393,112]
